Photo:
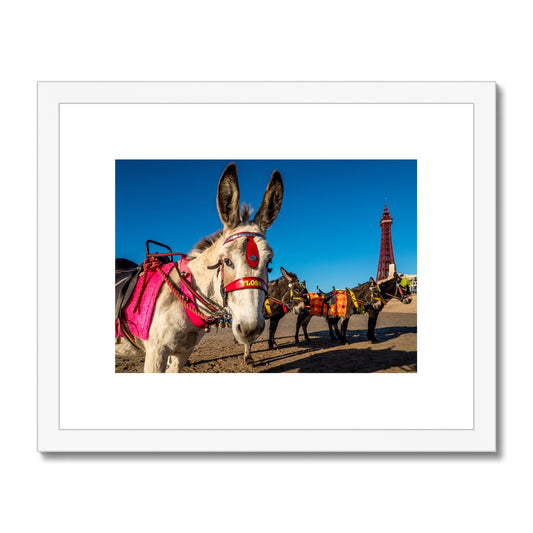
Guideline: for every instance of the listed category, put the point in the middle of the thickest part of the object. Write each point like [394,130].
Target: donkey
[282,292]
[225,272]
[368,298]
[302,309]
[372,297]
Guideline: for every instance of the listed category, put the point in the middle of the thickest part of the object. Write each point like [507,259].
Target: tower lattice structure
[386,253]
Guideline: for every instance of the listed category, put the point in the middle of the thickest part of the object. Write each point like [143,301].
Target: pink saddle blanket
[139,321]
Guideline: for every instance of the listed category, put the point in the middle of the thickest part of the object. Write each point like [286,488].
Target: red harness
[252,257]
[246,283]
[188,296]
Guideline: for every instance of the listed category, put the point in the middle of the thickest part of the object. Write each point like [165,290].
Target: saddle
[331,304]
[339,303]
[126,276]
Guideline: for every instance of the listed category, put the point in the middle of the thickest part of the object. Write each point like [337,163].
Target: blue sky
[327,231]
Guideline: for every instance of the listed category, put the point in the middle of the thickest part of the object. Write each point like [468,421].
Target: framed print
[343,232]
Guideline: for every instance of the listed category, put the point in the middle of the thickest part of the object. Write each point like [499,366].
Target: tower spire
[386,253]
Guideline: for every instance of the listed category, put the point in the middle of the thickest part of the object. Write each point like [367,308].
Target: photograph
[293,243]
[338,191]
[266,266]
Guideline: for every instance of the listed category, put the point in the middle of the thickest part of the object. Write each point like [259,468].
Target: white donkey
[228,272]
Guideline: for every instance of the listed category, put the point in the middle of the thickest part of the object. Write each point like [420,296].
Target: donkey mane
[206,242]
[388,284]
[361,289]
[246,213]
[275,284]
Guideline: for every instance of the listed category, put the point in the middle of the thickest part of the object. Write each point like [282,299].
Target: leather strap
[246,283]
[243,234]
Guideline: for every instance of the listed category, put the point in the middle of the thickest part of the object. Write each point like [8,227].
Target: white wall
[278,40]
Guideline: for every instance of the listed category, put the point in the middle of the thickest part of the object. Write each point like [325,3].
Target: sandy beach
[396,350]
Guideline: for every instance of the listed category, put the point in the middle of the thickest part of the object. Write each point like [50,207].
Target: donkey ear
[228,197]
[271,204]
[284,273]
[371,281]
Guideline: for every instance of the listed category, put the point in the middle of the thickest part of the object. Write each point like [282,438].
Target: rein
[401,298]
[152,264]
[356,301]
[292,297]
[271,299]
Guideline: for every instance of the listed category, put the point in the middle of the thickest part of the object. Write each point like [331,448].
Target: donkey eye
[228,262]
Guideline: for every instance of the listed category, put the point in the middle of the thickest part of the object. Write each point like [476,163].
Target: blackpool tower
[386,253]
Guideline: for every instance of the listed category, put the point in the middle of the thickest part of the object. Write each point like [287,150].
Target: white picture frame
[450,127]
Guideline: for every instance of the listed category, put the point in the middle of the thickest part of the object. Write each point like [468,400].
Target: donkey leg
[178,359]
[274,320]
[172,363]
[248,359]
[337,332]
[305,323]
[372,319]
[330,326]
[299,322]
[344,327]
[156,359]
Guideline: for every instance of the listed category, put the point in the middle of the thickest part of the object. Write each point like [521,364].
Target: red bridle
[252,257]
[246,283]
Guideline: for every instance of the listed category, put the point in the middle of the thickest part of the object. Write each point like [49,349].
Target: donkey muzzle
[249,331]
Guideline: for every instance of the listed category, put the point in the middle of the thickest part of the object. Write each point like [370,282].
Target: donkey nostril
[250,331]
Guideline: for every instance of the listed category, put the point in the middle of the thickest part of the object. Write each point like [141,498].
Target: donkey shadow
[358,335]
[321,339]
[343,361]
[383,334]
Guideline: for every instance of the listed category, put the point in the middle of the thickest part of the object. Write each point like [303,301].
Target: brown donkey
[368,298]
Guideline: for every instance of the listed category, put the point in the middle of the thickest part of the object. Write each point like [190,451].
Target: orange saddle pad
[338,309]
[316,304]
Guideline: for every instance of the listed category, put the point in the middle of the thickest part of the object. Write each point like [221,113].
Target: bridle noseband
[302,291]
[252,257]
[290,296]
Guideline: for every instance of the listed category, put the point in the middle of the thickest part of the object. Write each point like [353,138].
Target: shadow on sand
[325,355]
[347,360]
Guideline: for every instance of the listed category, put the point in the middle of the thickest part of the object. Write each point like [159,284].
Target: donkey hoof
[249,361]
